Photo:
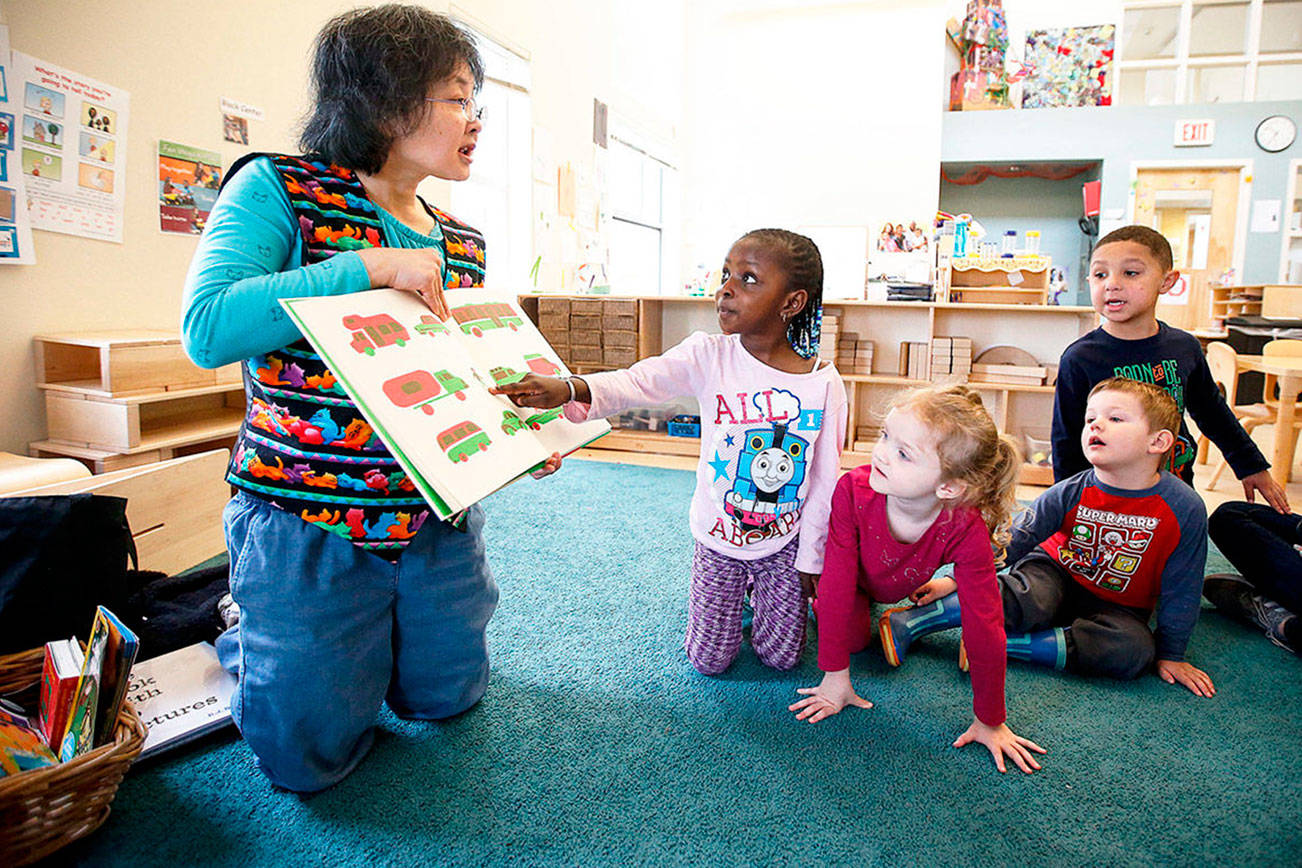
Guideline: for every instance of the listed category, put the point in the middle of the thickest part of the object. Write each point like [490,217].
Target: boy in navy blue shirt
[1129,269]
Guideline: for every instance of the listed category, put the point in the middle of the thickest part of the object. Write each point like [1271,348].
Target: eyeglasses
[469,108]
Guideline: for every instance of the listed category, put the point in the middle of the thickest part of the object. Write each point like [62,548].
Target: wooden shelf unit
[1018,280]
[1043,330]
[119,400]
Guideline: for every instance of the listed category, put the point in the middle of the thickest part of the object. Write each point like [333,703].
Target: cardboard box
[586,306]
[620,339]
[581,355]
[553,307]
[586,338]
[622,322]
[582,322]
[619,307]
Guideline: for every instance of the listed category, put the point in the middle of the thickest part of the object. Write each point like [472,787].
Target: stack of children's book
[80,697]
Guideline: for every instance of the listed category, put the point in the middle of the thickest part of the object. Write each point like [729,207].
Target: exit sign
[1193,133]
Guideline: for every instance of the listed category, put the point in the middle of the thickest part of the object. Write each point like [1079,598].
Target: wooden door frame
[1241,213]
[1286,217]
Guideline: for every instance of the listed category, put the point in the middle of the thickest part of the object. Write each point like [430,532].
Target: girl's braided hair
[804,265]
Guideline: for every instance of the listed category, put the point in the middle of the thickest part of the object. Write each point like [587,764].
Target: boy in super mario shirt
[1097,553]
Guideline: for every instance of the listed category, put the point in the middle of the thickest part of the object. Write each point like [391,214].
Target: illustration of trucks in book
[511,423]
[475,319]
[422,388]
[541,365]
[537,420]
[428,325]
[463,440]
[373,332]
[504,374]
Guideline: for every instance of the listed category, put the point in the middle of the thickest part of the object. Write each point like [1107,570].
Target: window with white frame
[1200,51]
[496,199]
[642,203]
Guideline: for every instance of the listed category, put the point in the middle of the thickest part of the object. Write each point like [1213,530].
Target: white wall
[805,114]
[179,57]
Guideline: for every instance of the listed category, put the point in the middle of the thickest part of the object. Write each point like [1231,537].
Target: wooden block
[620,339]
[584,322]
[230,373]
[585,354]
[589,338]
[619,307]
[622,322]
[553,307]
[1036,371]
[586,307]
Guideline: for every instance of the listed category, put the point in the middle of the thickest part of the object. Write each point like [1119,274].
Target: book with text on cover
[181,696]
[422,384]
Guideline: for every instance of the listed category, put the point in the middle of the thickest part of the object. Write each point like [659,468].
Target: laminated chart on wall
[72,142]
[15,226]
[188,181]
[422,383]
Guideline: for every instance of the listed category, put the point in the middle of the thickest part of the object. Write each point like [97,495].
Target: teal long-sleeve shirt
[250,257]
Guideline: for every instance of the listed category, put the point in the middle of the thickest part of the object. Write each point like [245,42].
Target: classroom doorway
[1201,209]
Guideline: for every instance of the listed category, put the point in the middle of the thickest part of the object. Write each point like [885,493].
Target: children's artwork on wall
[1070,66]
[93,177]
[188,179]
[15,225]
[60,101]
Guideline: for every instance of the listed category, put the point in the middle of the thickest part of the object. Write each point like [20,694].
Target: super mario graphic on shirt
[760,463]
[1106,547]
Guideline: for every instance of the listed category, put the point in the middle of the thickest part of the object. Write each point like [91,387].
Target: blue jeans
[328,631]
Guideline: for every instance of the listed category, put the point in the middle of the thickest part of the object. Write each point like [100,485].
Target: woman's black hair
[371,71]
[804,266]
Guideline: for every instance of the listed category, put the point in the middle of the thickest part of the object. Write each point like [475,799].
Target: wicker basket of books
[44,809]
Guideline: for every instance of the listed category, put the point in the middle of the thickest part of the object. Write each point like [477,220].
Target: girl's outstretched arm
[1001,741]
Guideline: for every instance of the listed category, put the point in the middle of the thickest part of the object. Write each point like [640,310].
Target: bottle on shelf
[1031,246]
[1010,244]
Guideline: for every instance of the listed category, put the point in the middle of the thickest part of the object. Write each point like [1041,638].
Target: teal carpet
[597,744]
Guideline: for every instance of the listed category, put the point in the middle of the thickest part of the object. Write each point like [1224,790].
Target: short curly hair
[371,71]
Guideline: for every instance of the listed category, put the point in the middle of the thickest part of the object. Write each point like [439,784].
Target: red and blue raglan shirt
[1145,549]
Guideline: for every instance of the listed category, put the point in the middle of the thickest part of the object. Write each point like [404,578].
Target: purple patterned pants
[714,606]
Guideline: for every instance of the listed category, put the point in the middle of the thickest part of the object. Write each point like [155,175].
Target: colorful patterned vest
[303,445]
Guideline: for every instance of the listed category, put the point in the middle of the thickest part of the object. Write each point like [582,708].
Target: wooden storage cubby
[121,399]
[1019,280]
[121,362]
[1043,330]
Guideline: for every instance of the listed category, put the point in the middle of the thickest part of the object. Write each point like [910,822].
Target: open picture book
[423,385]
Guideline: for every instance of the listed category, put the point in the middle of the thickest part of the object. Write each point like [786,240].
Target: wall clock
[1275,133]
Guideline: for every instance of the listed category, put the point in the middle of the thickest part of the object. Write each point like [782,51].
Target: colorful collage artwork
[1071,66]
[422,384]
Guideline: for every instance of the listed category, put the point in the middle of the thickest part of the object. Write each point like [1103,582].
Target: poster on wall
[188,179]
[72,142]
[1070,66]
[15,226]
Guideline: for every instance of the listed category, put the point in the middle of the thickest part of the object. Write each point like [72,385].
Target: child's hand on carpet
[1001,740]
[832,694]
[550,466]
[933,590]
[1198,681]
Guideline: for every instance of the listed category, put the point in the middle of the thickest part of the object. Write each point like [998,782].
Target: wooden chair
[1221,357]
[1223,362]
